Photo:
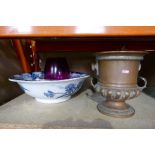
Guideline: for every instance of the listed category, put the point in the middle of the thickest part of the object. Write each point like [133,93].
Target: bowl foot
[116,109]
[53,100]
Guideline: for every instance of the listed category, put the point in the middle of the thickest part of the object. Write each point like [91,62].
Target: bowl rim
[48,81]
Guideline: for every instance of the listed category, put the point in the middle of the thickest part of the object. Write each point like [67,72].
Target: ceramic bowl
[49,91]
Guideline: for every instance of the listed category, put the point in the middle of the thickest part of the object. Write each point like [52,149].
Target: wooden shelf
[81,35]
[75,31]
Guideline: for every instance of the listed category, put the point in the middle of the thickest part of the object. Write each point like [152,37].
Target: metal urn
[117,81]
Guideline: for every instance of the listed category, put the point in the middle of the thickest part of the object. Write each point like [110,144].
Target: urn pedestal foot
[116,109]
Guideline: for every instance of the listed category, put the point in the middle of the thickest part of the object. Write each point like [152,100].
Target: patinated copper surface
[118,73]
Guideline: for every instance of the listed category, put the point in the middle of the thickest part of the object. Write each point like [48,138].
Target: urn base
[116,109]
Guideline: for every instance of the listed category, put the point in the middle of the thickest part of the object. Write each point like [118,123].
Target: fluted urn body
[118,74]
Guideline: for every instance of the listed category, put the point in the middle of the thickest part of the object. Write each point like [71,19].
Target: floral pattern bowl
[49,91]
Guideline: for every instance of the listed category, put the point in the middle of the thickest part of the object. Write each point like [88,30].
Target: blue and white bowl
[49,91]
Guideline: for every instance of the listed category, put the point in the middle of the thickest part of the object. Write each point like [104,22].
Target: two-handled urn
[117,81]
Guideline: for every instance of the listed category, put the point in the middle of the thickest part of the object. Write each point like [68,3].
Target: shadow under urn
[117,81]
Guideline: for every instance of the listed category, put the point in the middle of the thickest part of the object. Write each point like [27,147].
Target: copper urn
[117,81]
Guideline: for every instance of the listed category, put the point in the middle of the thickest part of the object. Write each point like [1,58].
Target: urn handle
[144,81]
[94,67]
[92,82]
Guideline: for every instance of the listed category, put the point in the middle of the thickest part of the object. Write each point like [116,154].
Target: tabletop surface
[78,112]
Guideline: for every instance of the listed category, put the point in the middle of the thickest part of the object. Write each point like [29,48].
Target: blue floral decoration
[27,76]
[40,76]
[49,94]
[37,75]
[71,88]
[77,75]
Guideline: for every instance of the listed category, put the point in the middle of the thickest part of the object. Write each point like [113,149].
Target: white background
[75,13]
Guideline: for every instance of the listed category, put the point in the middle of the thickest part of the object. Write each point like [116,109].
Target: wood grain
[76,31]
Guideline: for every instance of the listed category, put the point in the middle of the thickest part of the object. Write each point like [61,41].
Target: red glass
[56,69]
